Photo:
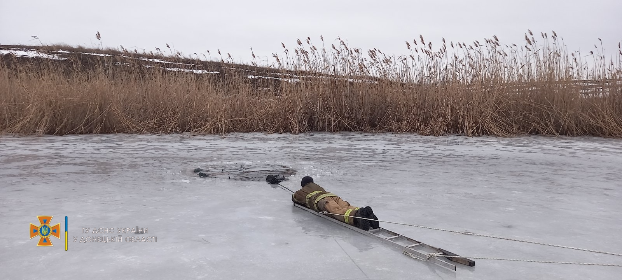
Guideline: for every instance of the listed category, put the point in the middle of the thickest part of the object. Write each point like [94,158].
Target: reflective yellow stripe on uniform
[309,197]
[346,216]
[320,198]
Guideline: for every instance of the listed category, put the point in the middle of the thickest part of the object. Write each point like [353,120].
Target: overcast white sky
[235,26]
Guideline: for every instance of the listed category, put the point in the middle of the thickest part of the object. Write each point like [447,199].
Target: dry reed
[469,89]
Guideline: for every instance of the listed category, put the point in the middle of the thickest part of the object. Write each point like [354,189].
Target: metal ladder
[412,248]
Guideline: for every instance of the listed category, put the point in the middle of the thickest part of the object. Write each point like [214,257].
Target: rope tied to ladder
[436,255]
[530,261]
[489,236]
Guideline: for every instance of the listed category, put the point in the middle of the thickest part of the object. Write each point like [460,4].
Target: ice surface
[564,191]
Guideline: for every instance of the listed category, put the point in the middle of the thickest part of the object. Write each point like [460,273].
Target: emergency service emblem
[45,231]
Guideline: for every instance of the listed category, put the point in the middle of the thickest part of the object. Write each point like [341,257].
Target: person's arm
[296,197]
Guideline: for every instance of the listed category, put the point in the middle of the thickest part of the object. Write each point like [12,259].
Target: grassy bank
[537,87]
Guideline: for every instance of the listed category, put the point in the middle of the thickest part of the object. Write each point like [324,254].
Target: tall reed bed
[487,88]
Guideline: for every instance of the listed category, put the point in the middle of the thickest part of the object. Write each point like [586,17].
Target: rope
[494,237]
[488,236]
[431,255]
[285,188]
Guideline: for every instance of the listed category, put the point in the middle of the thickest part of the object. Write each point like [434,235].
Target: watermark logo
[45,231]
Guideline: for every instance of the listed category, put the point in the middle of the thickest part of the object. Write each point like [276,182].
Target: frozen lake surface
[564,191]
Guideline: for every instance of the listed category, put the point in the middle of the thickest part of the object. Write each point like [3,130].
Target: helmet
[306,180]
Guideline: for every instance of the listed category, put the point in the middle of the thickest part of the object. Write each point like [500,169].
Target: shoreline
[63,90]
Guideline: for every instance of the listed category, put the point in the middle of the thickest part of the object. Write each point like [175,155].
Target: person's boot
[361,223]
[374,224]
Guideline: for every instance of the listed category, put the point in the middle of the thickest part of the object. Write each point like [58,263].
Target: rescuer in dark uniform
[315,197]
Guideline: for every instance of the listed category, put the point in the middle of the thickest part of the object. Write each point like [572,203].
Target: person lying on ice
[315,197]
